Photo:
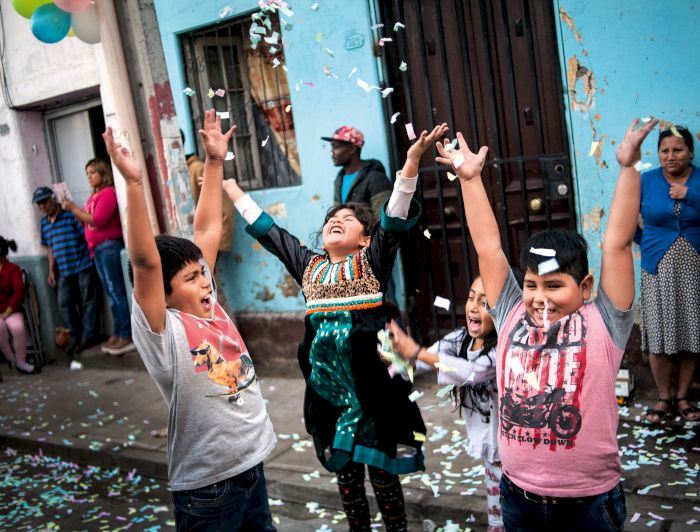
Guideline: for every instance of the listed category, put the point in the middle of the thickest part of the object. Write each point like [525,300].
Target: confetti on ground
[409,131]
[189,92]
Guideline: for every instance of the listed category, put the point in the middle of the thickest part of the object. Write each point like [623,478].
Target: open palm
[215,142]
[467,164]
[629,151]
[121,156]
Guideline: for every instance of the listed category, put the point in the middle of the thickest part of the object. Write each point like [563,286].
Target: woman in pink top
[103,233]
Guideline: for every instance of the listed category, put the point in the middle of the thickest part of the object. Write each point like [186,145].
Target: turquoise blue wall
[643,57]
[248,274]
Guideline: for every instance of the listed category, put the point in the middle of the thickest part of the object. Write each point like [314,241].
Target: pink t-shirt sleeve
[104,206]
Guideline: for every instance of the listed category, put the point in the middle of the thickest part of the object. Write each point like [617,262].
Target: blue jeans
[77,303]
[599,512]
[237,503]
[109,268]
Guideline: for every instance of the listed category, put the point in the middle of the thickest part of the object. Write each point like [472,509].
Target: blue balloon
[50,24]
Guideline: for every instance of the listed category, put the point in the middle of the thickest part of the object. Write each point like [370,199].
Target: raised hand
[121,156]
[424,141]
[629,151]
[215,142]
[466,163]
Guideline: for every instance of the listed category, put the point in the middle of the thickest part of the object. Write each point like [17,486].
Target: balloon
[27,7]
[72,6]
[85,25]
[49,24]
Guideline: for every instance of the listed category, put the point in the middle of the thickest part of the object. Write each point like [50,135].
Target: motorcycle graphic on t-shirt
[541,381]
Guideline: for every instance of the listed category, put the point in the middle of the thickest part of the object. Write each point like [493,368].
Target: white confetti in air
[376,26]
[264,142]
[415,395]
[403,67]
[451,176]
[229,156]
[594,147]
[224,115]
[225,11]
[640,166]
[543,252]
[409,131]
[646,119]
[398,26]
[635,517]
[363,85]
[458,161]
[442,302]
[288,108]
[314,6]
[352,72]
[220,93]
[210,93]
[547,266]
[394,117]
[385,40]
[272,39]
[189,92]
[386,92]
[426,234]
[275,63]
[516,367]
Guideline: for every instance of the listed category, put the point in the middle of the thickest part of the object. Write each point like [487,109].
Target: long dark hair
[6,246]
[479,392]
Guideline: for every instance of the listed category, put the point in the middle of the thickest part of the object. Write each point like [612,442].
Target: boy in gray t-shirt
[219,432]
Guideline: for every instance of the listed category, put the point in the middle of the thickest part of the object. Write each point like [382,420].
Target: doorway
[490,69]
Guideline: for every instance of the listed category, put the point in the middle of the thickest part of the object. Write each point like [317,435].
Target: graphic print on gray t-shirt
[218,426]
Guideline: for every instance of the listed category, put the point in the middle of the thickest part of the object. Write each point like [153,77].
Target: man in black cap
[358,181]
[70,269]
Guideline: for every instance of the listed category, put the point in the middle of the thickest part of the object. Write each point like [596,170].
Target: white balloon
[85,26]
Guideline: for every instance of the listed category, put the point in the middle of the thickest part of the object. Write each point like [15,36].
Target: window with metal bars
[256,96]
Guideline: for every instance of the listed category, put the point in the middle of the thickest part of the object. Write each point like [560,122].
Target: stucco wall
[620,60]
[252,279]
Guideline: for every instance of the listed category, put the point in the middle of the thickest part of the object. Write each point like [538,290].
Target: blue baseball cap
[41,194]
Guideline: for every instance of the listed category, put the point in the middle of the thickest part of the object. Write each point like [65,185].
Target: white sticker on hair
[548,266]
[544,252]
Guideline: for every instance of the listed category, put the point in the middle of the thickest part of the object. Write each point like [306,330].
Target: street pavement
[100,429]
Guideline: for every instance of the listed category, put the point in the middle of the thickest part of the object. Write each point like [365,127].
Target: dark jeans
[109,268]
[599,512]
[237,503]
[77,303]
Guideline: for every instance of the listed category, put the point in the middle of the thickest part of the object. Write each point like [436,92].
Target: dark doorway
[491,70]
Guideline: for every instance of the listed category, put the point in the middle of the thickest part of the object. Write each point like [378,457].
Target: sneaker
[121,346]
[109,343]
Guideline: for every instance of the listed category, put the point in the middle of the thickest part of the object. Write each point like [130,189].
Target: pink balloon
[72,6]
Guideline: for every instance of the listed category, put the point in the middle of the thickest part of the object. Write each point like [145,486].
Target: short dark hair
[175,253]
[6,246]
[571,252]
[682,131]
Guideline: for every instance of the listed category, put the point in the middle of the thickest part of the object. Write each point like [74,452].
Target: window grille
[256,96]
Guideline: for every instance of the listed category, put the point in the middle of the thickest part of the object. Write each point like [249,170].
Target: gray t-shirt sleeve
[510,295]
[156,349]
[618,322]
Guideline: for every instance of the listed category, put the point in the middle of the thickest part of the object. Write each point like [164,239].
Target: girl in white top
[466,358]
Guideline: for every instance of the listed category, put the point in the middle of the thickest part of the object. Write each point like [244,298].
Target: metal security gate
[490,69]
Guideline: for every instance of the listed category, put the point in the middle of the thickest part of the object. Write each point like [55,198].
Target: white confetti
[220,93]
[547,266]
[403,67]
[376,26]
[225,11]
[544,252]
[189,92]
[352,72]
[394,117]
[409,131]
[640,166]
[458,161]
[635,517]
[314,6]
[594,147]
[264,142]
[273,38]
[398,26]
[386,92]
[224,115]
[451,176]
[646,119]
[275,63]
[426,234]
[229,156]
[442,302]
[363,85]
[415,395]
[385,40]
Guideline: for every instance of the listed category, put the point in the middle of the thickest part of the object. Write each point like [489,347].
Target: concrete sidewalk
[105,415]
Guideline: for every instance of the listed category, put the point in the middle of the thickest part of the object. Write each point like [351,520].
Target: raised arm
[143,253]
[617,268]
[481,221]
[207,215]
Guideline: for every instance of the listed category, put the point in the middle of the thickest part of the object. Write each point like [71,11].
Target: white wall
[36,74]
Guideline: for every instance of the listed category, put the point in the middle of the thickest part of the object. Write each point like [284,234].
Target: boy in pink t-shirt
[558,355]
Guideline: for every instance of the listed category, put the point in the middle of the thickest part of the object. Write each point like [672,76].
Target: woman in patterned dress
[670,291]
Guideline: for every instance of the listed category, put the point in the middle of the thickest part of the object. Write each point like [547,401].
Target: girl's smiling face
[479,321]
[344,234]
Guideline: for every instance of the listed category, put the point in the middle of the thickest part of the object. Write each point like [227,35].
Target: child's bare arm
[481,221]
[145,260]
[617,268]
[207,215]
